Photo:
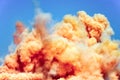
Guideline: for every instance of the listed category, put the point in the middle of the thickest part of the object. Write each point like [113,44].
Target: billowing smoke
[79,48]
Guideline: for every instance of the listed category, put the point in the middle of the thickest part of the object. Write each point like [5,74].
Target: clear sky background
[24,10]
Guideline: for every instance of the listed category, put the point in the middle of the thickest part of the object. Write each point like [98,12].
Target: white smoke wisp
[1,61]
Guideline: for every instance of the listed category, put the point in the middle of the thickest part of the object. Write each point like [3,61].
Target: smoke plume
[79,48]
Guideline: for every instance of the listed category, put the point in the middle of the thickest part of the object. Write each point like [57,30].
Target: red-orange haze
[79,48]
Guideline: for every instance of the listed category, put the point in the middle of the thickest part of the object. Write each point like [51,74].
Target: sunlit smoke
[79,48]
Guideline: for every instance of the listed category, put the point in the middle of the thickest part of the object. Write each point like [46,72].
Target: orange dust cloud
[79,48]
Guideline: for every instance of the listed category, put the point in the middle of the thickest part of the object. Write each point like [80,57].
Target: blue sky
[24,10]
